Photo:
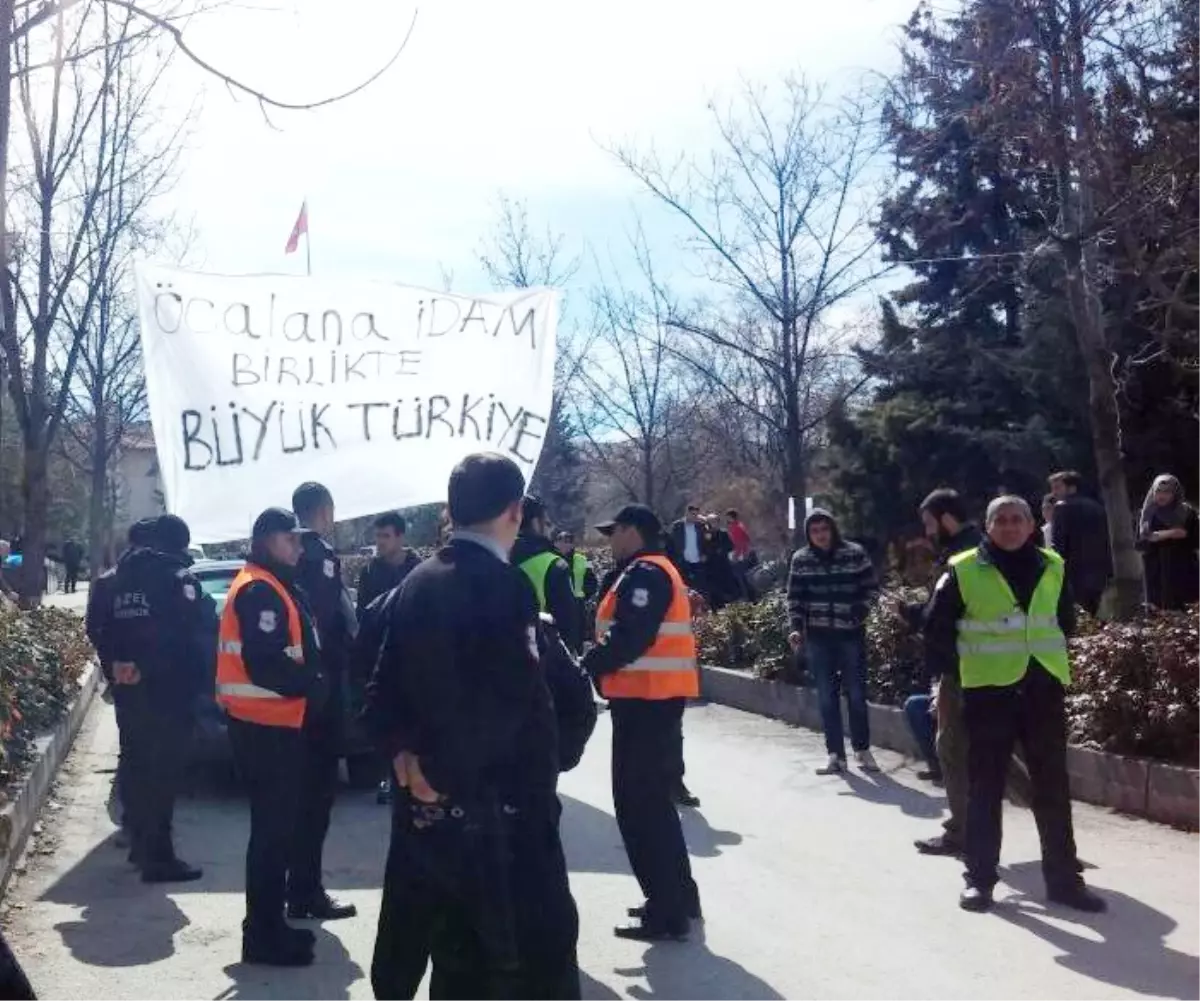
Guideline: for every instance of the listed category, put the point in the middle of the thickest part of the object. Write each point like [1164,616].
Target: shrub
[43,654]
[1135,687]
[748,636]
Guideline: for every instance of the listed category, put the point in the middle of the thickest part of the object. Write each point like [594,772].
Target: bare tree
[629,399]
[512,256]
[779,215]
[63,79]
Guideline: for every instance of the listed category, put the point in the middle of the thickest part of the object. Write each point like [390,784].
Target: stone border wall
[19,815]
[1152,789]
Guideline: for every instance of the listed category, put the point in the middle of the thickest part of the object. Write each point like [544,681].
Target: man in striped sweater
[830,588]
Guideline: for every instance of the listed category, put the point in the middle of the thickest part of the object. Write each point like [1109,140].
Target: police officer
[98,623]
[320,577]
[645,663]
[160,644]
[269,680]
[548,572]
[476,879]
[999,620]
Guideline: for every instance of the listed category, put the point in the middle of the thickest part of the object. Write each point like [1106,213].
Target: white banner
[259,383]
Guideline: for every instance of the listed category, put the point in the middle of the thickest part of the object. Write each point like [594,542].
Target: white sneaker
[834,766]
[866,761]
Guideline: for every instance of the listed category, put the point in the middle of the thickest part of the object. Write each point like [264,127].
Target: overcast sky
[519,96]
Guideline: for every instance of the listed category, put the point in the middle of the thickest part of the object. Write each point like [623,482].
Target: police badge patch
[267,621]
[329,569]
[189,592]
[640,597]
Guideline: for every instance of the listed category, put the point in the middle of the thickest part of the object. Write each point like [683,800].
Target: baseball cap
[637,515]
[275,519]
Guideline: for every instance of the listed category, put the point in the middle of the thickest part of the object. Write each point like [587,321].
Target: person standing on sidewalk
[999,619]
[830,588]
[319,575]
[948,527]
[644,661]
[269,679]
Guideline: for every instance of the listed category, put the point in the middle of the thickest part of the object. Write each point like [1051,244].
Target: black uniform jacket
[164,623]
[561,602]
[320,578]
[459,681]
[263,618]
[644,594]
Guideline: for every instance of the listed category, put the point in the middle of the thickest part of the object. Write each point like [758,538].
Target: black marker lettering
[366,409]
[433,317]
[191,435]
[527,321]
[263,422]
[317,414]
[523,432]
[233,309]
[417,412]
[409,360]
[312,379]
[352,367]
[289,449]
[356,327]
[221,460]
[297,335]
[439,406]
[169,314]
[472,317]
[241,368]
[287,366]
[511,420]
[325,326]
[465,415]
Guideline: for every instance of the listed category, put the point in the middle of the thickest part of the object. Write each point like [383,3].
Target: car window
[217,584]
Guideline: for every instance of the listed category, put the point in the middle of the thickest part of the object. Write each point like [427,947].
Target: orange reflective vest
[668,669]
[236,693]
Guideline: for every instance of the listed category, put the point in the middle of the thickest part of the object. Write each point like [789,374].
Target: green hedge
[43,654]
[1134,691]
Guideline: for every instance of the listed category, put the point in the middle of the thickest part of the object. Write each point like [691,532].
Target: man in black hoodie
[830,588]
[947,525]
[319,576]
[999,620]
[160,643]
[534,554]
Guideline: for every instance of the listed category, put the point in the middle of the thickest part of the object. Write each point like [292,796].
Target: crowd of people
[995,630]
[484,674]
[485,679]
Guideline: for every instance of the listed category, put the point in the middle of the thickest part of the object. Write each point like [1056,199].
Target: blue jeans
[924,730]
[839,661]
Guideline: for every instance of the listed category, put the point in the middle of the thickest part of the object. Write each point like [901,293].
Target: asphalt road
[810,886]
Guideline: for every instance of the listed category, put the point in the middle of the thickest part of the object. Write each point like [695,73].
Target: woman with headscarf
[1169,539]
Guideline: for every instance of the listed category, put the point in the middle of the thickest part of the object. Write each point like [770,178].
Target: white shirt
[691,543]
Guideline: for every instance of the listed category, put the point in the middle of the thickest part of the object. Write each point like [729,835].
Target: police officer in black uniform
[475,878]
[98,623]
[161,644]
[272,758]
[320,578]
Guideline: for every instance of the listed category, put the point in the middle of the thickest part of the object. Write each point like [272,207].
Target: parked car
[212,740]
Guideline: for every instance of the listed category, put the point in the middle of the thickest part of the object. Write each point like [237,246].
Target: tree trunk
[36,495]
[99,527]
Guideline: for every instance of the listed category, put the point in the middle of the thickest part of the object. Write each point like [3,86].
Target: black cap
[172,534]
[275,519]
[637,515]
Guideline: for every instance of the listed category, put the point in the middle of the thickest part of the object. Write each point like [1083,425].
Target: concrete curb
[1166,793]
[19,815]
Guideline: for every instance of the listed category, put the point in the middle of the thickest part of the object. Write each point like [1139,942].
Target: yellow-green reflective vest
[536,568]
[996,639]
[579,569]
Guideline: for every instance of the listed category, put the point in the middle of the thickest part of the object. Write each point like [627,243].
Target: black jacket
[968,537]
[263,618]
[1022,569]
[677,541]
[320,578]
[379,576]
[644,593]
[561,603]
[164,623]
[1079,530]
[98,622]
[459,682]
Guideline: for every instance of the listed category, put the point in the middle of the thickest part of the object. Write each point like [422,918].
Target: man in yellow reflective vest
[999,619]
[645,663]
[534,554]
[269,678]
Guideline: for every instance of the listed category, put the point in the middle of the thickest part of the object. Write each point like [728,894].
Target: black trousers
[1032,712]
[269,759]
[70,578]
[430,913]
[646,768]
[321,747]
[153,759]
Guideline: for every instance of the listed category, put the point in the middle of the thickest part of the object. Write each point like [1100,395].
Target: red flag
[300,227]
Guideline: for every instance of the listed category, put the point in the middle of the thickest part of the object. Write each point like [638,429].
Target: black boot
[1078,897]
[322,907]
[973,898]
[277,946]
